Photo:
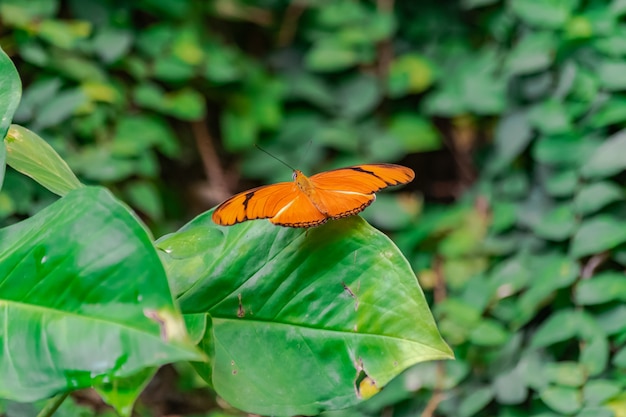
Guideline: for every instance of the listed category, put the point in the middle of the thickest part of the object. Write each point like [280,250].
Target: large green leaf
[296,318]
[33,156]
[83,299]
[10,93]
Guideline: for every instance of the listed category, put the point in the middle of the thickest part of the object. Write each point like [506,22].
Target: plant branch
[216,177]
[385,47]
[53,404]
[592,264]
[289,24]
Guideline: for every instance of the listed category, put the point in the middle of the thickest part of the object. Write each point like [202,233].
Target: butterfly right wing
[283,203]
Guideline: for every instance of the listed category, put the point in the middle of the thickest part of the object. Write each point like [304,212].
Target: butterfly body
[311,201]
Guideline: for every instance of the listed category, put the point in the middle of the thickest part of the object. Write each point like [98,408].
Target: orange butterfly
[308,202]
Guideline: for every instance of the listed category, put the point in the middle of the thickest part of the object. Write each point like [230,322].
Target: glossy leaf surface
[32,156]
[294,318]
[83,299]
[10,93]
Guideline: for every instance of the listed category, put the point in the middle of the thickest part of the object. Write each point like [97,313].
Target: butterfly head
[296,174]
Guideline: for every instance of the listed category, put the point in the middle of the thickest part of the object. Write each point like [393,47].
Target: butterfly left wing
[283,203]
[258,203]
[347,191]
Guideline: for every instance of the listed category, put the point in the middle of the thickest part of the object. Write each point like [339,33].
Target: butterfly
[311,201]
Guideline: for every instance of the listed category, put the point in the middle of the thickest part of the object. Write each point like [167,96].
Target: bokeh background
[510,112]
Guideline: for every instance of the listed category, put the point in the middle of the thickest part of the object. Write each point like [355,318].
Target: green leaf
[63,34]
[595,235]
[611,74]
[598,411]
[550,118]
[510,387]
[239,131]
[262,286]
[409,74]
[593,197]
[596,392]
[562,184]
[85,298]
[10,93]
[414,132]
[503,215]
[121,393]
[533,53]
[144,196]
[59,108]
[489,333]
[560,326]
[611,111]
[613,45]
[613,320]
[601,288]
[172,69]
[512,273]
[136,134]
[309,87]
[392,212]
[222,64]
[594,354]
[550,14]
[184,104]
[585,86]
[607,160]
[552,272]
[557,224]
[112,43]
[330,55]
[571,374]
[358,96]
[32,10]
[564,150]
[475,401]
[564,400]
[513,134]
[32,156]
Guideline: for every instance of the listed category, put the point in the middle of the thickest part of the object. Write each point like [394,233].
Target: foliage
[524,271]
[84,289]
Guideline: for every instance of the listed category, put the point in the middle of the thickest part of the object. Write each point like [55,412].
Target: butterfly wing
[283,203]
[347,191]
[258,203]
[299,212]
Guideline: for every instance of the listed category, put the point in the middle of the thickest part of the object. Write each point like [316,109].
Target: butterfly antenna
[275,157]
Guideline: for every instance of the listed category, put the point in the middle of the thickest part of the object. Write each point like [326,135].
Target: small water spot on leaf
[39,253]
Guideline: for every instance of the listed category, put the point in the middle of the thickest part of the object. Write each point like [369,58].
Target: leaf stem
[52,405]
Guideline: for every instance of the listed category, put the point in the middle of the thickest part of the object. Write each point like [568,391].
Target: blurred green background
[510,112]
